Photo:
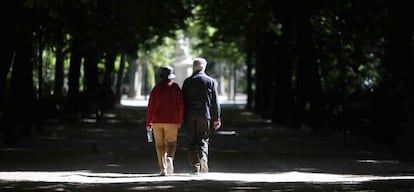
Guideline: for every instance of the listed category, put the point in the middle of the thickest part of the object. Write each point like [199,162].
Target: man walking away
[201,108]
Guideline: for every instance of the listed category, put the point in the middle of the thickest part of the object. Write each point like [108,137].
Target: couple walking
[195,106]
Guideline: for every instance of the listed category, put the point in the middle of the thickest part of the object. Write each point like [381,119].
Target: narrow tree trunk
[59,75]
[91,83]
[309,91]
[40,100]
[231,89]
[249,86]
[108,91]
[6,60]
[392,111]
[21,110]
[74,77]
[119,79]
[283,81]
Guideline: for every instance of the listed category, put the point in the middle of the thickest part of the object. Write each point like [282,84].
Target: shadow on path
[247,154]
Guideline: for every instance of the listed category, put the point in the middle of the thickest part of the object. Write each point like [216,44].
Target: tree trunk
[7,56]
[119,80]
[91,83]
[309,91]
[134,90]
[249,75]
[108,91]
[395,96]
[40,97]
[231,78]
[59,75]
[283,80]
[8,47]
[74,77]
[21,111]
[265,75]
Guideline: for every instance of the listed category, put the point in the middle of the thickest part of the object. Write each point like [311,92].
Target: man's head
[199,64]
[167,73]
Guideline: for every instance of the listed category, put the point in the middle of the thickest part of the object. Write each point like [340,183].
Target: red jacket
[166,104]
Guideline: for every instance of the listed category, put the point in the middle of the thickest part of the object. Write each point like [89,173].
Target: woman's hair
[167,73]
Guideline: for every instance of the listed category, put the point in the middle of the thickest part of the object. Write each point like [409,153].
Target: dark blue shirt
[200,97]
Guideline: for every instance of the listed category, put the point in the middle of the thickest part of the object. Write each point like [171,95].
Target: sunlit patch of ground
[282,177]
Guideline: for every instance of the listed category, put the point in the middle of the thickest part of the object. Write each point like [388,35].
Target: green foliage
[347,35]
[348,65]
[204,40]
[163,53]
[48,72]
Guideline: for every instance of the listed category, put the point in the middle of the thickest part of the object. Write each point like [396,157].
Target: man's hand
[216,124]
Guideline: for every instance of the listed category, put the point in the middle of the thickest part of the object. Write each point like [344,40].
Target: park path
[113,155]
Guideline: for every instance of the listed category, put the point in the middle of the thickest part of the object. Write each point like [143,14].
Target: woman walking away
[164,116]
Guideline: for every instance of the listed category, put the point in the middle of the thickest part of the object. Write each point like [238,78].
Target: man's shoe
[195,173]
[163,173]
[196,170]
[170,165]
[203,166]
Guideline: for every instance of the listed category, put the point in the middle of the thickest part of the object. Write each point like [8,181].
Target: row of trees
[326,64]
[88,34]
[317,63]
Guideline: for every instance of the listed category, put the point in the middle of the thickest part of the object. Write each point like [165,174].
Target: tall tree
[308,88]
[19,114]
[396,93]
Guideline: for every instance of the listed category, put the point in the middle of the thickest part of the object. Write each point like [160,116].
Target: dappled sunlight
[374,161]
[88,120]
[279,177]
[226,132]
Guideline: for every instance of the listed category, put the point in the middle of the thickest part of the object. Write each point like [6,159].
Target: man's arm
[216,108]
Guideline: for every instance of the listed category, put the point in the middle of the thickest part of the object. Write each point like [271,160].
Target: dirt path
[248,154]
